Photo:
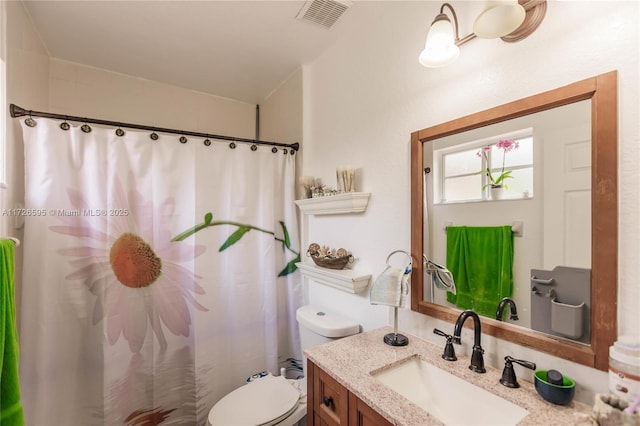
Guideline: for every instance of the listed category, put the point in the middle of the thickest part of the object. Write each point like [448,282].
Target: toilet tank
[318,326]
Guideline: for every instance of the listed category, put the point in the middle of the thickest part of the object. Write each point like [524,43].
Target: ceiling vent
[323,12]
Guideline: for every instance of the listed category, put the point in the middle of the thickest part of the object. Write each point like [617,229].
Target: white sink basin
[448,398]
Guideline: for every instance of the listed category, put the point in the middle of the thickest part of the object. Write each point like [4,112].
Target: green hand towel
[481,261]
[10,406]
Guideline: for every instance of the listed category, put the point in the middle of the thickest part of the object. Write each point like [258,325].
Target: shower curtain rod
[17,112]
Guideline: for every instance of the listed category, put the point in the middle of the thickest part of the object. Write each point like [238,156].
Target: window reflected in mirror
[466,172]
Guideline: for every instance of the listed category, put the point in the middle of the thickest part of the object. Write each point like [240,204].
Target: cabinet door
[330,399]
[319,422]
[360,414]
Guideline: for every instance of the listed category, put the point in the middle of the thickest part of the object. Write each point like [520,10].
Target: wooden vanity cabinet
[331,404]
[330,399]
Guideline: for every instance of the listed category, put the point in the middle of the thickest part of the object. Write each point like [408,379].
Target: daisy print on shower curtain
[127,260]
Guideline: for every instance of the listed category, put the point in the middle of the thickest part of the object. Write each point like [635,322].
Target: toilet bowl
[275,400]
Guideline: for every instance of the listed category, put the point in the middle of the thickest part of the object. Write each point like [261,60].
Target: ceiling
[241,50]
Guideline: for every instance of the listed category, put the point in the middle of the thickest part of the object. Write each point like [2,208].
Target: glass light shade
[440,48]
[499,18]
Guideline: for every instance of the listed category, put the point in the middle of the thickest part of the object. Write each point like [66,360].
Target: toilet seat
[272,399]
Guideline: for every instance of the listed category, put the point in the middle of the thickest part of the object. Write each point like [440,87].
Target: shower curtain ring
[207,142]
[119,131]
[254,147]
[274,149]
[232,145]
[29,121]
[64,125]
[183,139]
[85,127]
[154,136]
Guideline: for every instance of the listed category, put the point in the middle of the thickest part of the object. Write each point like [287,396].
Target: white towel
[387,289]
[404,294]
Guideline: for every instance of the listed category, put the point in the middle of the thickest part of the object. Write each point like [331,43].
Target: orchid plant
[505,145]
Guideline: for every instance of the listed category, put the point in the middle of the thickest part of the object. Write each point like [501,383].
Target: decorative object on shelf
[306,183]
[323,191]
[346,178]
[326,257]
[317,189]
[505,145]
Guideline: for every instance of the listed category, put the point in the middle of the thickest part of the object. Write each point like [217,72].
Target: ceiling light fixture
[509,20]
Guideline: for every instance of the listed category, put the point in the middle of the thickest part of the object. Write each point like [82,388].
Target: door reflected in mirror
[568,218]
[548,191]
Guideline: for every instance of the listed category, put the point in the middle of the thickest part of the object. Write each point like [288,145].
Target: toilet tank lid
[326,323]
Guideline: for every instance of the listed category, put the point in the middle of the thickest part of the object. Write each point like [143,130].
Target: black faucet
[509,375]
[512,308]
[477,360]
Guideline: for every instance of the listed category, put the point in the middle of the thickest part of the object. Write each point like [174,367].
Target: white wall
[281,115]
[85,91]
[281,112]
[366,95]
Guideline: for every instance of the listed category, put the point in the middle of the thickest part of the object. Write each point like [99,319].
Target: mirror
[601,92]
[548,198]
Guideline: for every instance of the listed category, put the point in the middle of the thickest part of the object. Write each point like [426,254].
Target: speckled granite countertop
[351,360]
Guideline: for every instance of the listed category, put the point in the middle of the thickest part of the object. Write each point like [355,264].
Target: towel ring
[395,338]
[408,268]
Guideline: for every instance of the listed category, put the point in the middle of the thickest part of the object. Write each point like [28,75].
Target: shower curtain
[158,274]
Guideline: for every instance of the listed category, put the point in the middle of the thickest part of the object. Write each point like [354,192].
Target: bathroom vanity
[345,387]
[331,403]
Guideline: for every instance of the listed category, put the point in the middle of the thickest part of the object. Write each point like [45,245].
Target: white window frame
[439,166]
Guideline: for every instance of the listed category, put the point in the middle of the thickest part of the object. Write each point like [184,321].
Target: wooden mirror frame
[602,90]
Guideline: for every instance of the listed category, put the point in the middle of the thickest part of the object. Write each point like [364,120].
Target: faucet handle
[449,353]
[440,333]
[509,375]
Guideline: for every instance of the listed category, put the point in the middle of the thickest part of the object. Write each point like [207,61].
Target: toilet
[275,400]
